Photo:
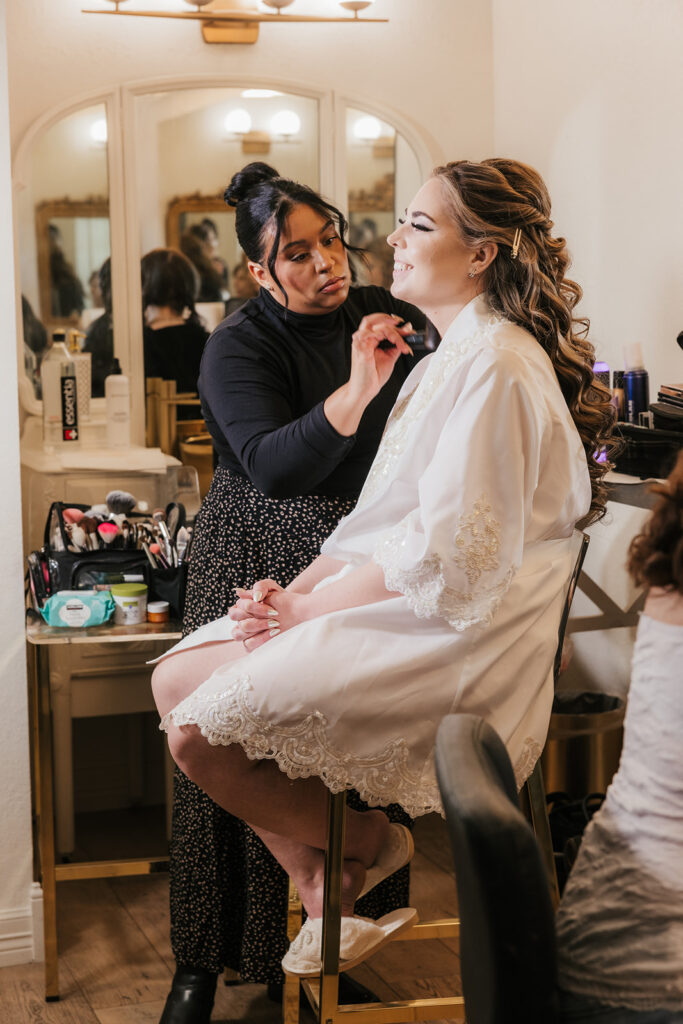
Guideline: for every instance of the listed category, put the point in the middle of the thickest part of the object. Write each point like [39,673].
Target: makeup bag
[58,567]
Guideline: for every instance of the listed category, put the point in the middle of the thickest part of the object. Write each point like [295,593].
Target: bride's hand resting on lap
[264,612]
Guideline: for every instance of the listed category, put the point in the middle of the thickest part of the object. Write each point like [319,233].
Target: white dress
[620,922]
[469,509]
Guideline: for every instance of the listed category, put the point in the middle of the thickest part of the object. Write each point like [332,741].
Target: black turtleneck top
[264,377]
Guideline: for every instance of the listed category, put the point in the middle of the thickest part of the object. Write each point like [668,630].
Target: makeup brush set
[90,547]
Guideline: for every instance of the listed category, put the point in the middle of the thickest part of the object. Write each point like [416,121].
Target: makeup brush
[77,536]
[158,554]
[97,511]
[121,502]
[72,515]
[108,532]
[90,524]
[181,541]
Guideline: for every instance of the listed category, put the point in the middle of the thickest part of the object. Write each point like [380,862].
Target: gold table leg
[40,684]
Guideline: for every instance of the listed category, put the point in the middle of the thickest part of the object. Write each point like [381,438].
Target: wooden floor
[116,962]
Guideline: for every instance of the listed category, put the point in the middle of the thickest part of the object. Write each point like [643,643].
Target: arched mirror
[189,143]
[64,234]
[382,173]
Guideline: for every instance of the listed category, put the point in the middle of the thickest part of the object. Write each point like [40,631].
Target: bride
[442,591]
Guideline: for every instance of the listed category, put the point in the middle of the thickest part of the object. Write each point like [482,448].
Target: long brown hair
[655,556]
[489,202]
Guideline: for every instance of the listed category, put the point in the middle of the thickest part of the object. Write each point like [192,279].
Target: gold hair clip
[515,243]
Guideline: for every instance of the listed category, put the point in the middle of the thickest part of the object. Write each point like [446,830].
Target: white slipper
[395,854]
[360,937]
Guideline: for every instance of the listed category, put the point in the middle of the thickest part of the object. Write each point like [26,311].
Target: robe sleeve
[455,554]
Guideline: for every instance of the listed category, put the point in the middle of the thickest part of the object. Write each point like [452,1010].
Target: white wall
[592,95]
[432,62]
[16,942]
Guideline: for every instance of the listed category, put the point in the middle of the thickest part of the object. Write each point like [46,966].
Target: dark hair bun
[246,180]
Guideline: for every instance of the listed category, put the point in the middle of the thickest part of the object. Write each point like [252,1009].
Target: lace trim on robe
[411,406]
[524,765]
[305,749]
[476,543]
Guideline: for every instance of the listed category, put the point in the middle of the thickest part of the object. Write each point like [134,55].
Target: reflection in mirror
[192,141]
[383,175]
[63,217]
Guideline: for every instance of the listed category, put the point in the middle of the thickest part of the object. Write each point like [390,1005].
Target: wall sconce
[369,129]
[238,122]
[286,124]
[98,132]
[237,21]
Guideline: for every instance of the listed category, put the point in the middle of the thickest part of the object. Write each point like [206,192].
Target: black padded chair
[507,936]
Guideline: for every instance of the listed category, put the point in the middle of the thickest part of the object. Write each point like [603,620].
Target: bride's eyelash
[418,227]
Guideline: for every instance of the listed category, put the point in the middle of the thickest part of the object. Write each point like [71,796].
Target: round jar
[131,603]
[158,611]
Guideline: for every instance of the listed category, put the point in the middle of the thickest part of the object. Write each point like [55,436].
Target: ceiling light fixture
[237,21]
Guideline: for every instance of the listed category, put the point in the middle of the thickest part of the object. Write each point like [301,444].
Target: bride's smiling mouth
[401,268]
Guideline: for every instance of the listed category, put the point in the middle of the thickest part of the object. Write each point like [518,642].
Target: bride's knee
[165,686]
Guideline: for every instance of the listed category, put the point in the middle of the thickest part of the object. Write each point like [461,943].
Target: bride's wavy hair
[489,201]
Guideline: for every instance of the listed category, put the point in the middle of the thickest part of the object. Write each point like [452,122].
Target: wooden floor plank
[111,960]
[146,900]
[22,997]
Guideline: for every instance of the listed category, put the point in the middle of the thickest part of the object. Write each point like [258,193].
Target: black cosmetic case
[55,568]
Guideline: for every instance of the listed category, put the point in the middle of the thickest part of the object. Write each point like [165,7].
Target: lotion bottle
[83,370]
[51,380]
[117,396]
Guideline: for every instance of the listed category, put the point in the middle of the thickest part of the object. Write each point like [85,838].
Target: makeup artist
[283,383]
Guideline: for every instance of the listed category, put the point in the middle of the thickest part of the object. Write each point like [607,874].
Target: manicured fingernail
[272,613]
[274,632]
[257,595]
[273,624]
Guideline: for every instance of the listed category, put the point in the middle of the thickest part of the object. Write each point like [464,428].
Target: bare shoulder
[664,606]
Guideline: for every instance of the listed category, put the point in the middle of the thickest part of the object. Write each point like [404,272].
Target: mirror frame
[196,202]
[124,204]
[93,206]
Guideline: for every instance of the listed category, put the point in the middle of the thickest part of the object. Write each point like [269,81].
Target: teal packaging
[78,608]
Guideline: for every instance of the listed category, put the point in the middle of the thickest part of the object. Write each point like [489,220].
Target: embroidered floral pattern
[524,765]
[441,367]
[477,541]
[426,589]
[305,749]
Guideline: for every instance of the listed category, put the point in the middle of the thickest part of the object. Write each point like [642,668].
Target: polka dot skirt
[228,894]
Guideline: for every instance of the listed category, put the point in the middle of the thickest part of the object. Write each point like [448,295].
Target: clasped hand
[264,612]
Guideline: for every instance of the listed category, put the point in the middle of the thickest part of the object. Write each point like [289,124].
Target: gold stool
[323,995]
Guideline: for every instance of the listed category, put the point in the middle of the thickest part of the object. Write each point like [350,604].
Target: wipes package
[78,608]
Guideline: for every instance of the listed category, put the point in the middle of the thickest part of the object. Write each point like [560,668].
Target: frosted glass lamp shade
[367,129]
[285,122]
[238,122]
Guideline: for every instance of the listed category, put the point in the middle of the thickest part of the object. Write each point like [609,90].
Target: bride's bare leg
[259,793]
[179,675]
[306,867]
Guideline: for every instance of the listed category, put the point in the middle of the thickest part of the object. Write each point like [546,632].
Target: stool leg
[541,826]
[334,863]
[291,987]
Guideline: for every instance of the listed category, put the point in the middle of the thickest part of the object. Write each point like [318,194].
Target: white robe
[469,509]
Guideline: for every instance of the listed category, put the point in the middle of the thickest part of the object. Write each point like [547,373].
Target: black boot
[190,1000]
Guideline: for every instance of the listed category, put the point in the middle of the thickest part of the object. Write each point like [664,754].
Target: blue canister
[636,394]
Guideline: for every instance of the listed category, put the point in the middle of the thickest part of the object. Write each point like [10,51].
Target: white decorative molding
[21,931]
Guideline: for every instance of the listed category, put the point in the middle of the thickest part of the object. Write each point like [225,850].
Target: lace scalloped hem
[303,750]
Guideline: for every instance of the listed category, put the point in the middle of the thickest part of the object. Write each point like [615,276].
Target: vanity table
[43,643]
